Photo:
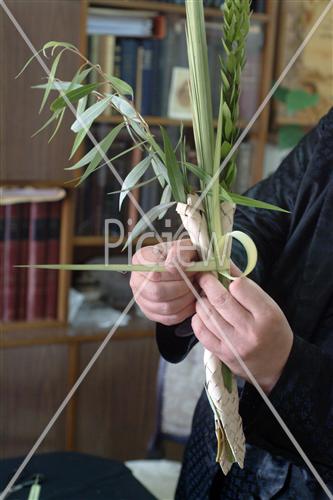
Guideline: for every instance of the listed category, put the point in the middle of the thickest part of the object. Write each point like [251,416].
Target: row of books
[117,22]
[29,234]
[94,191]
[257,5]
[155,68]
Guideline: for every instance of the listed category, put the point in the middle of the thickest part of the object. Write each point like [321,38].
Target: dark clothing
[295,267]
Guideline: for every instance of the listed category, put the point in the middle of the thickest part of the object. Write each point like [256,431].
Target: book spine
[128,61]
[106,60]
[24,257]
[2,259]
[155,106]
[117,59]
[138,78]
[37,255]
[11,259]
[147,77]
[53,247]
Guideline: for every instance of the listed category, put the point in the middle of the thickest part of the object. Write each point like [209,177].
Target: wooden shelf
[165,8]
[21,336]
[157,120]
[292,120]
[98,241]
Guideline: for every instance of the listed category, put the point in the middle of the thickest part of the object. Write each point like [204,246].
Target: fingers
[204,335]
[180,254]
[158,291]
[227,306]
[213,320]
[171,319]
[166,308]
[251,297]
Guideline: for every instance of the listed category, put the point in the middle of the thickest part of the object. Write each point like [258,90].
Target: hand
[166,297]
[252,322]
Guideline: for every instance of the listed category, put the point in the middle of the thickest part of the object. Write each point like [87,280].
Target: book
[23,209]
[10,195]
[2,260]
[179,98]
[36,290]
[120,26]
[128,63]
[147,77]
[11,258]
[52,252]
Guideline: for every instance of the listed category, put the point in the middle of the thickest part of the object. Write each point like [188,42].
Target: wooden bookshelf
[99,241]
[165,7]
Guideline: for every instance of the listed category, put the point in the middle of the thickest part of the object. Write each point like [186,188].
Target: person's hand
[165,298]
[252,322]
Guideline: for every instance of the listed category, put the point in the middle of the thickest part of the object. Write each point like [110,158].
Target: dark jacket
[295,267]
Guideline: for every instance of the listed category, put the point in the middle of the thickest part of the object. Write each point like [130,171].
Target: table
[75,476]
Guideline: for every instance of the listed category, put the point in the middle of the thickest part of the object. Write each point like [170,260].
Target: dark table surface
[75,476]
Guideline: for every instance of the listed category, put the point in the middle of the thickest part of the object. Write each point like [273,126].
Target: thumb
[181,252]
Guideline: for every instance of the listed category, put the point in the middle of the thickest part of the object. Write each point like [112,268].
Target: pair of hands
[245,315]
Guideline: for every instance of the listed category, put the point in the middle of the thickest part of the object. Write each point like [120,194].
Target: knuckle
[166,308]
[221,300]
[156,292]
[170,320]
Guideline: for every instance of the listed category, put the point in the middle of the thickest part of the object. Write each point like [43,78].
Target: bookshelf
[54,346]
[258,134]
[164,7]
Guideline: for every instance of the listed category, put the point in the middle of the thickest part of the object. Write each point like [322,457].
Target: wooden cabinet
[116,405]
[33,383]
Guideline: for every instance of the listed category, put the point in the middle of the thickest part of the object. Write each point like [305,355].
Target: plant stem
[191,268]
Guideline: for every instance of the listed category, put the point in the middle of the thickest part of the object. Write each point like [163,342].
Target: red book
[2,261]
[24,218]
[36,290]
[53,247]
[11,258]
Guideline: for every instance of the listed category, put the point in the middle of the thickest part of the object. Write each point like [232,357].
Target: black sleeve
[175,342]
[303,397]
[269,230]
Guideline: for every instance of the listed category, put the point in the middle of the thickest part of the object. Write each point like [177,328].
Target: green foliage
[289,136]
[174,171]
[72,96]
[236,23]
[149,217]
[296,99]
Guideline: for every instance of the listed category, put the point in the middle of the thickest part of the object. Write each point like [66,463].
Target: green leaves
[296,99]
[72,96]
[86,119]
[121,86]
[150,217]
[132,178]
[251,202]
[289,136]
[200,87]
[235,30]
[95,155]
[174,172]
